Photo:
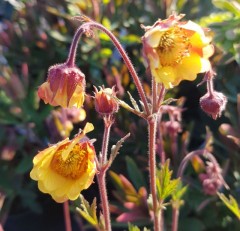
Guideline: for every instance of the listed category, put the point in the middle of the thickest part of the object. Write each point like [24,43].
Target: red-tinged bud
[212,180]
[171,128]
[213,104]
[105,103]
[65,86]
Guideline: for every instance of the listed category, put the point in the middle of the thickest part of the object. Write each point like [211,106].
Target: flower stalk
[102,168]
[86,28]
[152,125]
[67,217]
[175,218]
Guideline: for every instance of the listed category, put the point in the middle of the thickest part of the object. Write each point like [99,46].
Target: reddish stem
[152,124]
[86,27]
[108,122]
[175,217]
[67,218]
[101,177]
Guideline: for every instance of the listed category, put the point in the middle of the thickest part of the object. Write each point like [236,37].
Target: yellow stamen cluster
[176,51]
[74,166]
[173,47]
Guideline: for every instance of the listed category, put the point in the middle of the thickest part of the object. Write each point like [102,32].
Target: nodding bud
[65,86]
[105,102]
[212,180]
[213,104]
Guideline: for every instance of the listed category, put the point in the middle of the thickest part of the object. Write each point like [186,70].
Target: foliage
[231,203]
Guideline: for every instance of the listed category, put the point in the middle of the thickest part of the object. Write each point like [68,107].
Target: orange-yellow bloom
[176,50]
[65,86]
[63,170]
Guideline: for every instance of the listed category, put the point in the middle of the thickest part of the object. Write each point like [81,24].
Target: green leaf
[115,149]
[88,212]
[177,195]
[165,186]
[231,203]
[105,52]
[132,227]
[58,36]
[231,6]
[128,39]
[133,101]
[134,173]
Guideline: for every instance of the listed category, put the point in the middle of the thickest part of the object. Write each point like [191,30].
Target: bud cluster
[212,180]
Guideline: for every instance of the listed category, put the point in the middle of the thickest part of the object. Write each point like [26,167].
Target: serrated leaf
[134,173]
[133,101]
[115,149]
[166,186]
[132,227]
[231,203]
[87,211]
[177,195]
[169,101]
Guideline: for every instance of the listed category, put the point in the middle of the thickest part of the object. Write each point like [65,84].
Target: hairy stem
[175,217]
[101,177]
[152,124]
[108,121]
[86,28]
[67,218]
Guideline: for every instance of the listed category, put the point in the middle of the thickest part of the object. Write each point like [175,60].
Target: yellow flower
[65,86]
[63,170]
[176,51]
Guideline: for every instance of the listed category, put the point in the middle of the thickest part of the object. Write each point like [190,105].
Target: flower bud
[105,103]
[65,86]
[212,180]
[171,128]
[213,104]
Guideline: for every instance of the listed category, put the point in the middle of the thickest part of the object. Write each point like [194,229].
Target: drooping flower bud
[212,180]
[105,104]
[213,104]
[65,86]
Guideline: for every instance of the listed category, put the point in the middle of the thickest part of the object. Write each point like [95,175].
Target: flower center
[173,47]
[75,164]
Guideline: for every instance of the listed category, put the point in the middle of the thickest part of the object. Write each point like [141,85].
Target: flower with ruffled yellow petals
[63,170]
[176,50]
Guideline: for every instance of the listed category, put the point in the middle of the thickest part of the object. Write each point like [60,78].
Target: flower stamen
[173,47]
[74,166]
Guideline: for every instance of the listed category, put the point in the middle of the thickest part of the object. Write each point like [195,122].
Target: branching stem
[86,28]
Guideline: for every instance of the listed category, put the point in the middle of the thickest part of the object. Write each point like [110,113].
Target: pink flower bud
[65,86]
[105,103]
[213,104]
